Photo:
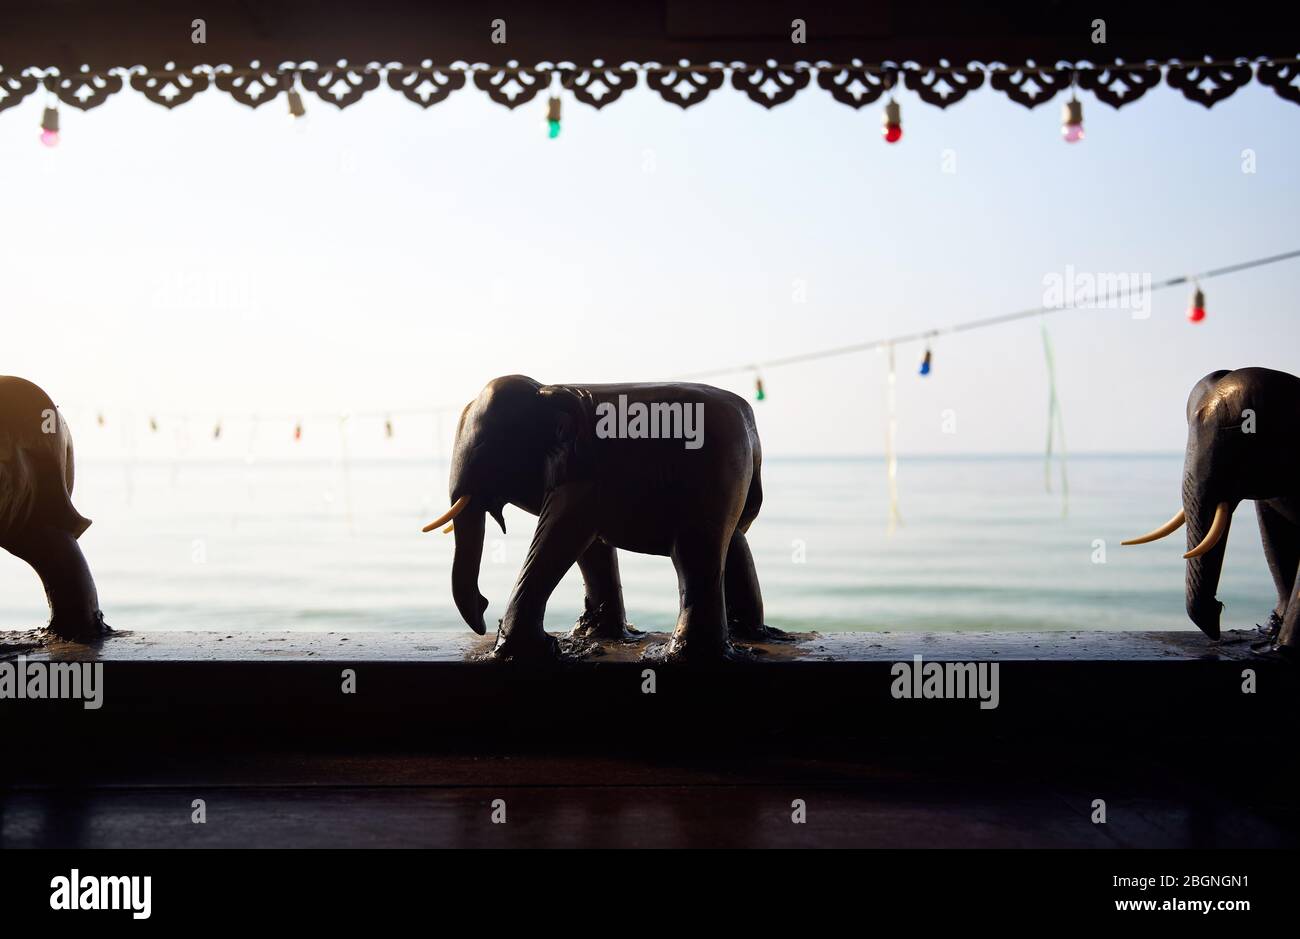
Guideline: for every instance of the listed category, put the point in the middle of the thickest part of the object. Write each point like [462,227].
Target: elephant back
[36,461]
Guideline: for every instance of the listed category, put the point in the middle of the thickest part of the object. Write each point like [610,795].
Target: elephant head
[515,442]
[1239,425]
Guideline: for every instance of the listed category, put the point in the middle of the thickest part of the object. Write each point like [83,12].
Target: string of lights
[857,83]
[1196,313]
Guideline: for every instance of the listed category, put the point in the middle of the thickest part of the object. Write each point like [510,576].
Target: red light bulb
[1196,312]
[892,125]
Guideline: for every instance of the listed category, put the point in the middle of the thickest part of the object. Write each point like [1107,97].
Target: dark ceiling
[103,33]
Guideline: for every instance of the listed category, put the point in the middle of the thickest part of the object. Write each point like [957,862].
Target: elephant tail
[754,498]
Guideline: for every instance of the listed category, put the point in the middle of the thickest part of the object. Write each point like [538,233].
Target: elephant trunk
[57,559]
[1203,570]
[465,566]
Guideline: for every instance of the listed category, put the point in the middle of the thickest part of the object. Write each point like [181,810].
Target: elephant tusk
[1222,515]
[1168,528]
[451,513]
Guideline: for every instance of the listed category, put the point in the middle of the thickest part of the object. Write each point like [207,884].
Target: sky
[214,263]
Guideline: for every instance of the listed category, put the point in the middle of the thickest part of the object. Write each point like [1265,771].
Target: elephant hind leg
[57,559]
[603,615]
[744,597]
[701,633]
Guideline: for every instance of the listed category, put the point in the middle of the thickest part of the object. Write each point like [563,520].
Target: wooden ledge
[464,647]
[415,690]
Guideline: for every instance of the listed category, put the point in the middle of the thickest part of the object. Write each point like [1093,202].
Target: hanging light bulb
[1196,312]
[289,82]
[388,428]
[553,117]
[925,363]
[153,425]
[759,393]
[99,418]
[892,122]
[1072,120]
[297,431]
[216,431]
[50,126]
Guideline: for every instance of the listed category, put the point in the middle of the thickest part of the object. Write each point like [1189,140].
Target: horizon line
[773,458]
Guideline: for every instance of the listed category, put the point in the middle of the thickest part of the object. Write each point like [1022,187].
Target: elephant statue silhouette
[606,467]
[37,520]
[1241,435]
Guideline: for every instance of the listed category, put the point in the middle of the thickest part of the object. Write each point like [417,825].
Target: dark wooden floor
[907,795]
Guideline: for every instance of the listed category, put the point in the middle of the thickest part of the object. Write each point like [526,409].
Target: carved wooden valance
[684,84]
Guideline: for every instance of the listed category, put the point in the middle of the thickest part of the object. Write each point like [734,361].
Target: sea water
[981,544]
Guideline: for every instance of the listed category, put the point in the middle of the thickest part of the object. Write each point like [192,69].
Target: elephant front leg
[70,590]
[1281,540]
[603,615]
[701,633]
[1288,634]
[743,595]
[565,528]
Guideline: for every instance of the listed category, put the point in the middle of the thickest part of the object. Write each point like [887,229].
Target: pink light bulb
[50,138]
[1072,133]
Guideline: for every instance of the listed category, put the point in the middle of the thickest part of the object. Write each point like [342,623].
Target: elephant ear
[36,472]
[569,455]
